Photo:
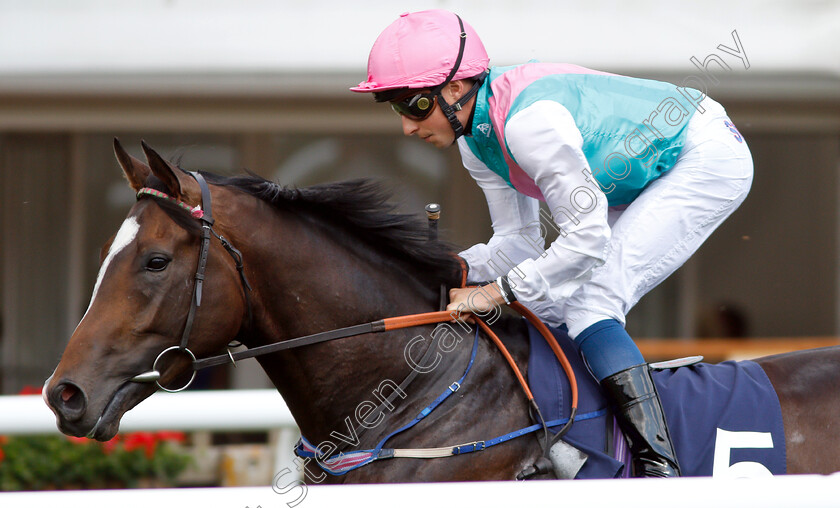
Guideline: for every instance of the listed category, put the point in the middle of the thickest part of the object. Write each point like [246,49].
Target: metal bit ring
[155,368]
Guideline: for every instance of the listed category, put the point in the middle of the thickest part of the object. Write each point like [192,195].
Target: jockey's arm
[514,216]
[547,145]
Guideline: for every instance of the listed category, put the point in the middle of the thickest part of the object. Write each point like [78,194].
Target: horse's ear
[135,171]
[174,178]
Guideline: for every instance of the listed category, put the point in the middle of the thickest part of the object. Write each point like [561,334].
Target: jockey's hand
[479,300]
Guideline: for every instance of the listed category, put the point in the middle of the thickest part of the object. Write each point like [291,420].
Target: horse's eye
[157,264]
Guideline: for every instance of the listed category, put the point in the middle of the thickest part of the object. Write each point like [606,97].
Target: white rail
[779,492]
[265,409]
[198,410]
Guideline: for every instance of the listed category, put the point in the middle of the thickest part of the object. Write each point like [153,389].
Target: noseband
[205,215]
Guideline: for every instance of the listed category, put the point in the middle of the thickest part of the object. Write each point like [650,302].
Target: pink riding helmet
[419,49]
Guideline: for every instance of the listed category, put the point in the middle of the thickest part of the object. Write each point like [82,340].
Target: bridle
[205,215]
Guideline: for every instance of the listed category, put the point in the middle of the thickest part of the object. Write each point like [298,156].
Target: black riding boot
[639,413]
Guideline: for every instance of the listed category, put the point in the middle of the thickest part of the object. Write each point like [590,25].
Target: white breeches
[656,233]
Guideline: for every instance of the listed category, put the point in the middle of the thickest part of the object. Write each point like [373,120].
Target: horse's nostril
[69,400]
[68,392]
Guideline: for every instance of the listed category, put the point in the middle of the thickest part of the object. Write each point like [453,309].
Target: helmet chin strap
[449,110]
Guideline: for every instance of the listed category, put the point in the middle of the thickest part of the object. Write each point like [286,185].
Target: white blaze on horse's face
[126,234]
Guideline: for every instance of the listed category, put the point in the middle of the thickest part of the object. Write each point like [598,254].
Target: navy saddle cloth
[731,405]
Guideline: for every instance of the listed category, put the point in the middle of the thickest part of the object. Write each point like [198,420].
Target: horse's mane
[360,207]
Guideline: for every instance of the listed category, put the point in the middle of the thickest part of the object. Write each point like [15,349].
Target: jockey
[634,175]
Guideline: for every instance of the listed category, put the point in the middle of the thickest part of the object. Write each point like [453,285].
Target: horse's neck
[313,282]
[317,278]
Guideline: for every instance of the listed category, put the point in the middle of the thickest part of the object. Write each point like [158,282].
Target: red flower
[146,440]
[108,446]
[170,435]
[78,440]
[31,390]
[2,455]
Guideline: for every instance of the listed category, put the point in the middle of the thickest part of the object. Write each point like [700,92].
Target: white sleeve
[545,142]
[515,224]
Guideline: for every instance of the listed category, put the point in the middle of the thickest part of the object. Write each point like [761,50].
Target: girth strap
[345,462]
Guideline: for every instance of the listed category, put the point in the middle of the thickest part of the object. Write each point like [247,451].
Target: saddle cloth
[725,419]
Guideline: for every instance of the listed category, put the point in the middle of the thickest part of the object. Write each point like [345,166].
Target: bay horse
[297,262]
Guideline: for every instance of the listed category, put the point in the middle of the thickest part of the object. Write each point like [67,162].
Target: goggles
[416,107]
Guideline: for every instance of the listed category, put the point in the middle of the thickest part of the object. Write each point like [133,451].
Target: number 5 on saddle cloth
[699,401]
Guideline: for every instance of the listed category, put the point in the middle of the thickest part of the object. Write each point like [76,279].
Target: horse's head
[141,302]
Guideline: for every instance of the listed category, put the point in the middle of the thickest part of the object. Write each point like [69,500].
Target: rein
[382,325]
[205,215]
